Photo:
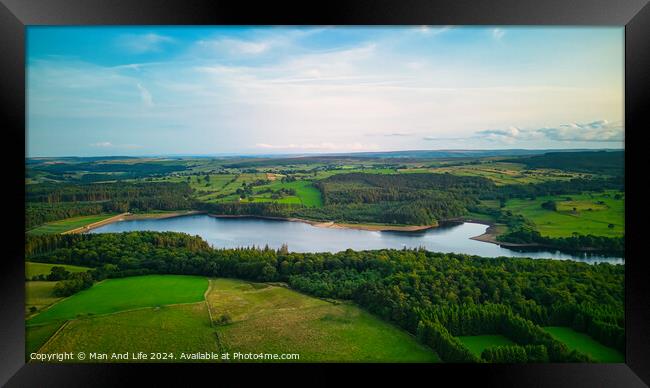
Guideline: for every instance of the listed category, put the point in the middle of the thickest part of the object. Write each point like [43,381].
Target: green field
[39,294]
[127,293]
[36,269]
[36,336]
[505,173]
[478,343]
[179,328]
[275,319]
[265,318]
[585,344]
[68,224]
[563,222]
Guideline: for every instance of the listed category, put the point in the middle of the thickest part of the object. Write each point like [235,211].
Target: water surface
[303,237]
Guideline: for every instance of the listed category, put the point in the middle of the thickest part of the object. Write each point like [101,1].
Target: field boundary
[53,335]
[97,224]
[205,299]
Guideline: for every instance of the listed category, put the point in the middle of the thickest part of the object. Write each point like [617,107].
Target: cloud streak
[595,131]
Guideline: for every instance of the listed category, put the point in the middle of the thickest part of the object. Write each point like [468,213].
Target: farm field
[268,318]
[38,294]
[37,336]
[264,318]
[36,269]
[507,173]
[179,328]
[126,293]
[585,344]
[478,343]
[68,224]
[605,210]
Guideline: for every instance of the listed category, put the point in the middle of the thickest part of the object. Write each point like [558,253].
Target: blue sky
[261,90]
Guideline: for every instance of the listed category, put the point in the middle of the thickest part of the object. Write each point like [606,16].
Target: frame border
[15,15]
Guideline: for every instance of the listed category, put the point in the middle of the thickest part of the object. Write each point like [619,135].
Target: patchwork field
[262,318]
[68,224]
[278,320]
[36,269]
[124,294]
[507,173]
[180,328]
[599,214]
[38,294]
[478,343]
[585,344]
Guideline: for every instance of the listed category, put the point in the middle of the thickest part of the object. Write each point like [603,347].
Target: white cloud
[595,131]
[108,144]
[498,33]
[433,30]
[102,144]
[143,43]
[234,46]
[147,99]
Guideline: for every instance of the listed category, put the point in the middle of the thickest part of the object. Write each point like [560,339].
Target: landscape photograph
[324,194]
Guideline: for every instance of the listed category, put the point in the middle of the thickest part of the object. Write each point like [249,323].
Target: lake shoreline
[334,225]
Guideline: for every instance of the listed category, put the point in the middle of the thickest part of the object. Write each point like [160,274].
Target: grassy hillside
[127,293]
[36,269]
[278,320]
[593,214]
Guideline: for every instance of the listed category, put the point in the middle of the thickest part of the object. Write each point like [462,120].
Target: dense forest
[53,201]
[601,162]
[432,295]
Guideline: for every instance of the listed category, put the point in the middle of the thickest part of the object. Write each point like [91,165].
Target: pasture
[39,294]
[588,213]
[478,343]
[506,173]
[585,344]
[68,224]
[37,269]
[121,294]
[274,319]
[179,328]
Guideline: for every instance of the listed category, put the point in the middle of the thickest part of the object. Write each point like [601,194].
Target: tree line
[466,295]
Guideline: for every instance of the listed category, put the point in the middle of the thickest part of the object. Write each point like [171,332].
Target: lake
[303,237]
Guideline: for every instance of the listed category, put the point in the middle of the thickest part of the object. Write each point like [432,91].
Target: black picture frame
[16,14]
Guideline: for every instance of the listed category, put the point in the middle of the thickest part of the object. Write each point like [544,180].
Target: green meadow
[274,319]
[478,343]
[35,269]
[179,328]
[268,318]
[585,344]
[588,213]
[115,295]
[39,294]
[68,224]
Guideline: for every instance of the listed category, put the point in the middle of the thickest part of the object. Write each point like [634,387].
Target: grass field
[563,222]
[478,343]
[180,328]
[265,318]
[36,269]
[127,293]
[275,319]
[39,294]
[68,224]
[504,173]
[37,336]
[585,344]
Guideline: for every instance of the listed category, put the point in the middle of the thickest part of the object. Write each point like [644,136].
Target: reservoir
[303,237]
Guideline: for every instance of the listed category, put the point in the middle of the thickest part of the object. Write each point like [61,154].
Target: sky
[96,91]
